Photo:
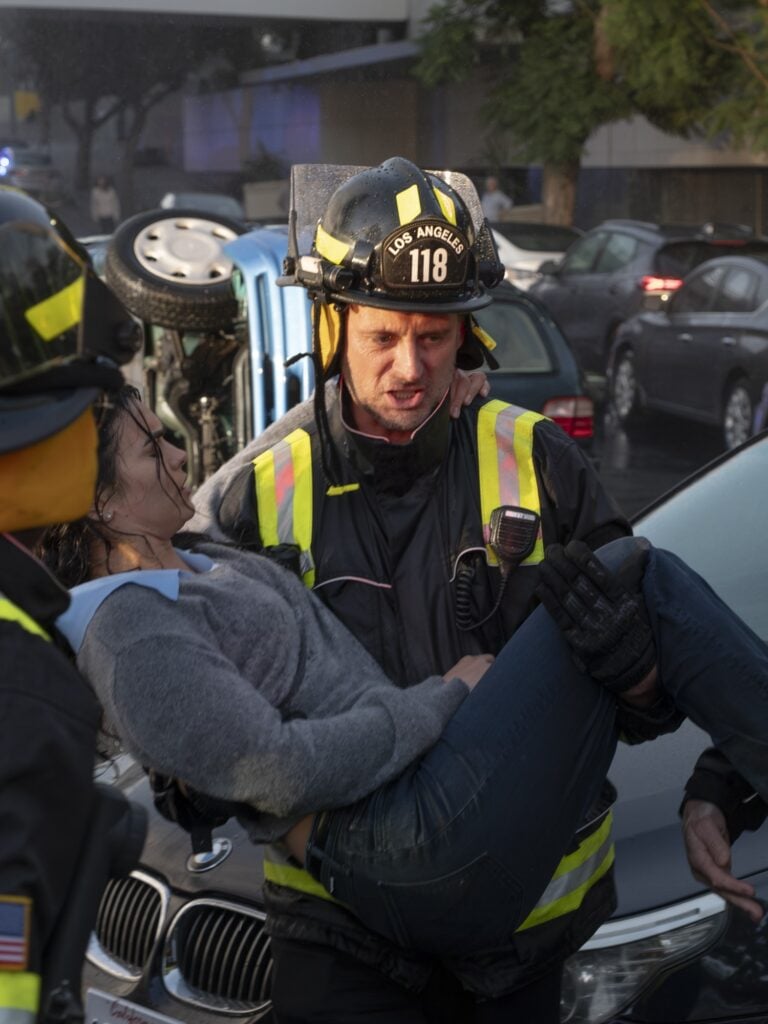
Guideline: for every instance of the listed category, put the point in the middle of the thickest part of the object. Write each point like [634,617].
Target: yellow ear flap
[327,331]
[482,336]
[52,481]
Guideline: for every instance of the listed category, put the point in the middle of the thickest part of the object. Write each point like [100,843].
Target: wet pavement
[640,464]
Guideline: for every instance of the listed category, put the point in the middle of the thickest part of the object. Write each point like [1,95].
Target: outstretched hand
[603,622]
[708,848]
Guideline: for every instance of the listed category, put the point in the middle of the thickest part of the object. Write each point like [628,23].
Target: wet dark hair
[66,548]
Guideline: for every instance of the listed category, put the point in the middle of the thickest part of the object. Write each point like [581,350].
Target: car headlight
[624,956]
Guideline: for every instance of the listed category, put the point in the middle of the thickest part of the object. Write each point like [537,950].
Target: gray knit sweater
[249,689]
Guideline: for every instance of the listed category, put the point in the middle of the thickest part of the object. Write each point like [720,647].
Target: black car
[622,267]
[182,938]
[704,356]
[537,369]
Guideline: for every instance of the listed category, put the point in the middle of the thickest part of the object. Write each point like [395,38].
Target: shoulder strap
[505,466]
[283,480]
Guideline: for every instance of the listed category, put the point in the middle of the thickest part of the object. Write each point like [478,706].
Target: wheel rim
[737,417]
[185,250]
[624,387]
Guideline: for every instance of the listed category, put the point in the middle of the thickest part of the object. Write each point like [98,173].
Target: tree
[700,65]
[96,67]
[540,67]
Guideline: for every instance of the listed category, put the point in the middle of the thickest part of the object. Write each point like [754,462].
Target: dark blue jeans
[451,856]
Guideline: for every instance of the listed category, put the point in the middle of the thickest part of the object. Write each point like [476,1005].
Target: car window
[698,293]
[761,295]
[737,292]
[728,508]
[538,237]
[619,251]
[581,255]
[520,347]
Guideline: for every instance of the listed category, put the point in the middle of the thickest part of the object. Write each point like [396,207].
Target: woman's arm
[184,709]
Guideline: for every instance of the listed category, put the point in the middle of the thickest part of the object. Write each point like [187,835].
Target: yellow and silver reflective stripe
[283,482]
[331,248]
[575,875]
[12,613]
[279,870]
[19,997]
[505,463]
[58,312]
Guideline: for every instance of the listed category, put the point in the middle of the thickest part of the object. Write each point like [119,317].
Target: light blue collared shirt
[87,597]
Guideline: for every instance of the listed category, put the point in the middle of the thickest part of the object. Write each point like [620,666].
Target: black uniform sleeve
[48,722]
[579,507]
[716,780]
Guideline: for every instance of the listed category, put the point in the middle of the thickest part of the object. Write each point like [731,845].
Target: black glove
[604,622]
[193,811]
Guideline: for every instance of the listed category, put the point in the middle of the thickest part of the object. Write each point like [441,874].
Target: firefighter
[62,335]
[423,535]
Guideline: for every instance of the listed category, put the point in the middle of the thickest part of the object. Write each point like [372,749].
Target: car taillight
[575,414]
[651,283]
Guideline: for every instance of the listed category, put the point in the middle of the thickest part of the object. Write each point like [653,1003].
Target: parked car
[32,169]
[621,267]
[523,247]
[704,356]
[219,331]
[761,412]
[537,369]
[183,936]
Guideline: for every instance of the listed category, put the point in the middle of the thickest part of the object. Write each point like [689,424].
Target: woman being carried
[412,806]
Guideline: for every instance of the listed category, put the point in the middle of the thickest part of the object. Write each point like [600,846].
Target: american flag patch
[14,933]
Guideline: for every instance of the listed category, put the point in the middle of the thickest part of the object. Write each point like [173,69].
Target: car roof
[707,231]
[757,259]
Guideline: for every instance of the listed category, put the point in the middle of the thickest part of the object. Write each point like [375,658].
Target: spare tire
[168,268]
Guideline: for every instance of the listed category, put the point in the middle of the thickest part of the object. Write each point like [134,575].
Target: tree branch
[743,54]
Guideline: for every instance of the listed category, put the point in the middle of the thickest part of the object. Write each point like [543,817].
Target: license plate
[103,1008]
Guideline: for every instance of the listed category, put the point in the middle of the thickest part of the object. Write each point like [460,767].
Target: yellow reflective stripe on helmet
[331,248]
[58,312]
[294,878]
[505,464]
[283,482]
[19,991]
[12,613]
[447,205]
[576,874]
[408,204]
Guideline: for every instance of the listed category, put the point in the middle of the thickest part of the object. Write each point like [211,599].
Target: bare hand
[465,387]
[470,669]
[708,848]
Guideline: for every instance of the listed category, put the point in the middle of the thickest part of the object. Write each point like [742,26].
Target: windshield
[717,525]
[537,237]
